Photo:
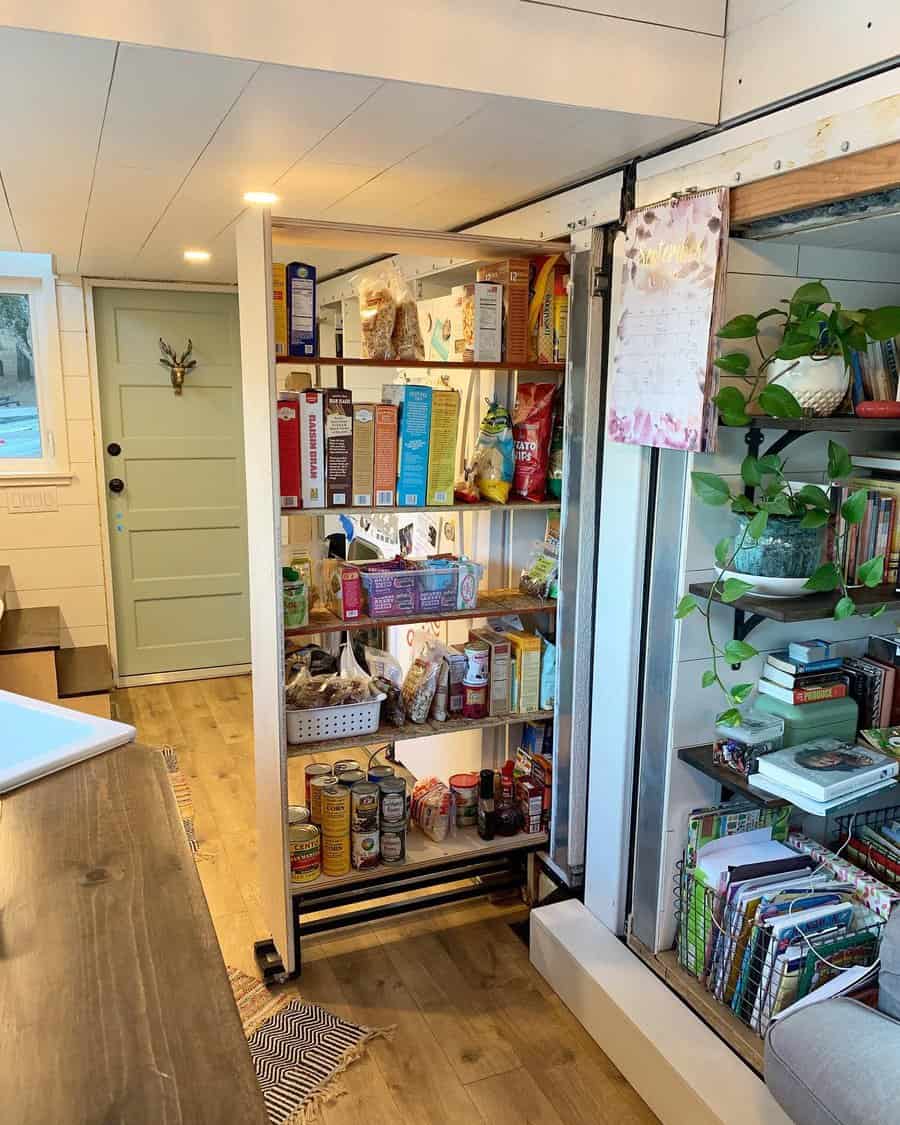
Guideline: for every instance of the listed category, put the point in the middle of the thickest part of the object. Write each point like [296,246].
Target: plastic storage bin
[315,724]
[834,717]
[414,590]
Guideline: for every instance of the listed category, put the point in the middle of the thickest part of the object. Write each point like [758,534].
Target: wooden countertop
[114,1002]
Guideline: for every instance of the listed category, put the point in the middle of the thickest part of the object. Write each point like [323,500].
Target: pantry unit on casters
[467,558]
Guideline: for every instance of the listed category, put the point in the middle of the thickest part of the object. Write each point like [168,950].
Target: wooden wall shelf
[816,607]
[701,758]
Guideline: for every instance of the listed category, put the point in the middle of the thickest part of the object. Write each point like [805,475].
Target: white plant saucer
[772,587]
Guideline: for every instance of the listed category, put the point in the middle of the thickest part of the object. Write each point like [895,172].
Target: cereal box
[363,454]
[289,449]
[526,652]
[513,275]
[385,455]
[312,449]
[279,307]
[442,446]
[343,589]
[560,315]
[414,402]
[301,308]
[338,406]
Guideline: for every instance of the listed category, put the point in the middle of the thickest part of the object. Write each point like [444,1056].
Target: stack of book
[803,673]
[875,372]
[822,774]
[878,533]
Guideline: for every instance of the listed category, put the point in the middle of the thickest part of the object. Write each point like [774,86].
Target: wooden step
[29,630]
[83,671]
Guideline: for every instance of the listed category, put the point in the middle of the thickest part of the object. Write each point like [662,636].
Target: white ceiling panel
[53,92]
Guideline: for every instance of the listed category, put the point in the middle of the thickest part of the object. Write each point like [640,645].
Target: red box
[289,449]
[530,796]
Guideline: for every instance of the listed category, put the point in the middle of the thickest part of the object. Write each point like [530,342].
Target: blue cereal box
[414,402]
[301,309]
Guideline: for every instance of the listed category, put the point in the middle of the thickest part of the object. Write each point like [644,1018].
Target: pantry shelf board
[494,603]
[387,734]
[836,423]
[421,851]
[701,758]
[511,506]
[423,364]
[816,607]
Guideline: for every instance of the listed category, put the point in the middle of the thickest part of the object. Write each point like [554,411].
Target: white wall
[760,274]
[55,556]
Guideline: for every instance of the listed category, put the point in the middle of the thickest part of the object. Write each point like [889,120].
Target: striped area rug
[298,1049]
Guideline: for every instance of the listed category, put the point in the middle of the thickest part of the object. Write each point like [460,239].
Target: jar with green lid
[296,601]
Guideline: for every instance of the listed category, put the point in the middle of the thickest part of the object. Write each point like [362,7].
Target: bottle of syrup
[486,814]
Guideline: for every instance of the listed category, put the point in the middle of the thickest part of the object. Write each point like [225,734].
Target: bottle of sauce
[486,814]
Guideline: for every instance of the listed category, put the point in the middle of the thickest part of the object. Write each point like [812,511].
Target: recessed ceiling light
[260,197]
[197,255]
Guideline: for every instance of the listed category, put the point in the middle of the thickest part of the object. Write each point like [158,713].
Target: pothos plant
[811,324]
[774,495]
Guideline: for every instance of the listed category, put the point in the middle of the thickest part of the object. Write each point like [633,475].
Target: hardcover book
[827,768]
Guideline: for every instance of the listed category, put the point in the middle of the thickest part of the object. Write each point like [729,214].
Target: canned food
[393,800]
[335,811]
[393,843]
[314,769]
[335,855]
[475,700]
[303,848]
[465,790]
[298,814]
[477,656]
[317,787]
[349,778]
[364,807]
[364,849]
[343,765]
[379,772]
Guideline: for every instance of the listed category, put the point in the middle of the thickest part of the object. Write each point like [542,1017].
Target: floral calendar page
[662,379]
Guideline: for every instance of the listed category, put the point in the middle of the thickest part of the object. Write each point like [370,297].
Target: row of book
[878,533]
[876,372]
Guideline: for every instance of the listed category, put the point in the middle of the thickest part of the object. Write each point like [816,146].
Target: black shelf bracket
[744,624]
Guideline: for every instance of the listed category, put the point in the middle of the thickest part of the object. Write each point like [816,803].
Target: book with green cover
[885,739]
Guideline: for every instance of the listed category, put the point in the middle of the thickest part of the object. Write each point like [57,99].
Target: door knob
[116,485]
[114,449]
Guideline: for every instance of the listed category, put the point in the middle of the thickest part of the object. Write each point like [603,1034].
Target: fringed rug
[183,798]
[298,1049]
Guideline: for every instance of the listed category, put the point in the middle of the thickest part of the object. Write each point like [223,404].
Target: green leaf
[814,496]
[779,505]
[856,338]
[780,403]
[686,606]
[795,348]
[812,326]
[883,323]
[871,573]
[814,518]
[743,505]
[812,293]
[844,608]
[723,551]
[770,463]
[729,718]
[738,328]
[854,507]
[827,577]
[711,489]
[839,463]
[750,473]
[732,406]
[876,612]
[736,652]
[758,524]
[768,313]
[733,589]
[735,363]
[740,692]
[709,678]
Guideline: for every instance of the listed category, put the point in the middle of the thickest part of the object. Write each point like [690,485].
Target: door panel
[178,530]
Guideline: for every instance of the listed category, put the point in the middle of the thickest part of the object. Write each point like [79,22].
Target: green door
[177,524]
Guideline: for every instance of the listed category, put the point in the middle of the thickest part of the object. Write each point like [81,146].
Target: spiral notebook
[662,378]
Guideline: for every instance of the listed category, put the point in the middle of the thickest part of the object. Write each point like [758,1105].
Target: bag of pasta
[494,460]
[406,338]
[422,679]
[376,316]
[432,808]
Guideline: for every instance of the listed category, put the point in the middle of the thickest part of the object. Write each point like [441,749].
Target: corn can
[335,855]
[335,811]
[314,769]
[317,787]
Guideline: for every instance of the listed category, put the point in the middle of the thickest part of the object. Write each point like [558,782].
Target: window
[33,442]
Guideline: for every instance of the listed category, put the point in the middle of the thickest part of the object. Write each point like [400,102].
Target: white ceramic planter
[819,385]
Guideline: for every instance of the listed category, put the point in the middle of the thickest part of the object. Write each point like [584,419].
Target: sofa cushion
[835,1063]
[889,974]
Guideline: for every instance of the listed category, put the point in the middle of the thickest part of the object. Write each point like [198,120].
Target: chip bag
[494,459]
[532,427]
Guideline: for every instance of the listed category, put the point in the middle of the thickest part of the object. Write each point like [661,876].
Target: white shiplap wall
[55,556]
[759,275]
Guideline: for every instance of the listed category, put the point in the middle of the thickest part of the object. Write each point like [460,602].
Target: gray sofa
[838,1062]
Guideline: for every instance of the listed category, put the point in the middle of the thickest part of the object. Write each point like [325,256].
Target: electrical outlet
[40,499]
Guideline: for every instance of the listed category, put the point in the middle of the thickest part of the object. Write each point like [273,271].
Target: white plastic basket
[318,723]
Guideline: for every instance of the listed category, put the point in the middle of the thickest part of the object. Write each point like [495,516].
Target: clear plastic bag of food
[305,692]
[406,337]
[383,665]
[377,311]
[392,710]
[494,460]
[432,808]
[422,679]
[540,573]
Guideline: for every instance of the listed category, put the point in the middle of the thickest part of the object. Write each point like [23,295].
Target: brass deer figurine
[178,365]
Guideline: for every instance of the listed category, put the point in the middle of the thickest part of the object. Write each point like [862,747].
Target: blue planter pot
[784,550]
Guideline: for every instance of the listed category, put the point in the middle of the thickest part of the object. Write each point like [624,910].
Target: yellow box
[526,654]
[442,446]
[279,303]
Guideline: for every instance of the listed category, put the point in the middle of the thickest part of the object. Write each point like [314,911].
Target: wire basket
[314,724]
[754,959]
[862,838]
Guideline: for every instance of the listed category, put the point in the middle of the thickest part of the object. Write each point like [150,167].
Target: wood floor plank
[514,1099]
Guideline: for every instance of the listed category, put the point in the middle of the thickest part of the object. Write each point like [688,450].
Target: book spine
[885,519]
[798,696]
[857,388]
[889,357]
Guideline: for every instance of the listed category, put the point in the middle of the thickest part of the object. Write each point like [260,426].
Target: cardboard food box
[279,307]
[386,436]
[363,454]
[542,775]
[531,802]
[513,275]
[535,737]
[312,449]
[526,654]
[478,322]
[442,446]
[298,380]
[441,325]
[301,308]
[414,432]
[500,653]
[338,406]
[560,315]
[343,589]
[288,414]
[456,661]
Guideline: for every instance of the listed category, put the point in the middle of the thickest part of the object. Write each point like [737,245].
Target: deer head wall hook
[178,365]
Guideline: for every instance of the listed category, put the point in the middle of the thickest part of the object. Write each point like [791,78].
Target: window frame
[32,274]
